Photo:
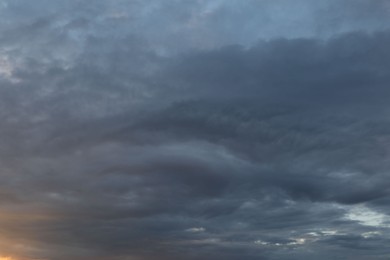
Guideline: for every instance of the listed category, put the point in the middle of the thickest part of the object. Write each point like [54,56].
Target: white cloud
[196,230]
[367,217]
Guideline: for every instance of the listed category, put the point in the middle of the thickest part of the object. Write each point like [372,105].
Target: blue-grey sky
[194,129]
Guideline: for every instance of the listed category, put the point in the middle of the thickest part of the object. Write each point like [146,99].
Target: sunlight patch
[5,258]
[196,230]
[367,217]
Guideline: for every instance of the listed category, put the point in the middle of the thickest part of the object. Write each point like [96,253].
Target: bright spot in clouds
[5,67]
[196,229]
[368,217]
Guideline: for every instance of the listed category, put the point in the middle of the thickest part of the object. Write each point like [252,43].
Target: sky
[194,129]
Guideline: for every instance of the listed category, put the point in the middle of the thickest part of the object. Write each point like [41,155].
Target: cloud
[194,130]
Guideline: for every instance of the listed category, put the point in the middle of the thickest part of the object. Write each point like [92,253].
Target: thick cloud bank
[194,130]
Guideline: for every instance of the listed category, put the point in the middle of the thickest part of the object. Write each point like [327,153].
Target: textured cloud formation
[194,129]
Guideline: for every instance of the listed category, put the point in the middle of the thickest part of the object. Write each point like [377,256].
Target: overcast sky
[194,129]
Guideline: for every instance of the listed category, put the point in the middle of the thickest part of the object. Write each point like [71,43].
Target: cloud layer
[194,130]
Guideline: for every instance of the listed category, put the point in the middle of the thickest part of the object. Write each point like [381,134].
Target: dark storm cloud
[131,130]
[351,66]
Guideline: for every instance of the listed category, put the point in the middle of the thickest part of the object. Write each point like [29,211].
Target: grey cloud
[348,67]
[116,142]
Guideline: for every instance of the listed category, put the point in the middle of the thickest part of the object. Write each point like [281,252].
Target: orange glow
[6,258]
